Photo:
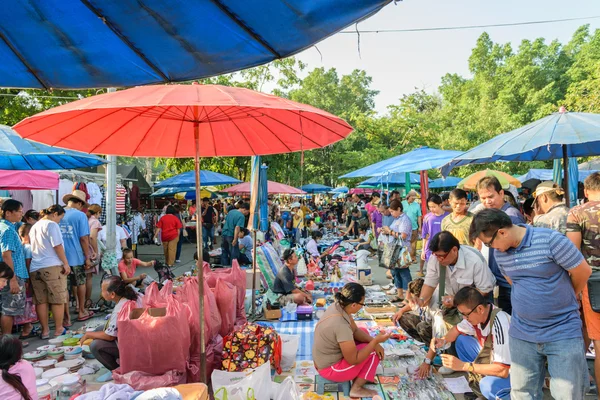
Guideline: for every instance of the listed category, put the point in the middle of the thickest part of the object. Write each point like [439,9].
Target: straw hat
[77,195]
[545,187]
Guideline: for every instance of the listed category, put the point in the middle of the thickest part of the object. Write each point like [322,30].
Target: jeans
[492,387]
[208,232]
[179,244]
[566,364]
[229,251]
[401,278]
[504,301]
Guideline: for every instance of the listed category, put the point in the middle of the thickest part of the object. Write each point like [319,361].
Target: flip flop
[28,336]
[66,326]
[45,337]
[90,315]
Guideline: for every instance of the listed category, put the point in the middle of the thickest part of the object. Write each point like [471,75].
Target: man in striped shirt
[546,272]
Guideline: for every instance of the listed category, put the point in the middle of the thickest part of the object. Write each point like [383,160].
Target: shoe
[392,292]
[420,274]
[445,370]
[388,287]
[177,261]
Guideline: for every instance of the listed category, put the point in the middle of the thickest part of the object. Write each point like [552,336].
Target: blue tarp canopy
[315,188]
[17,153]
[420,159]
[170,191]
[187,179]
[548,175]
[340,190]
[396,179]
[90,44]
[442,183]
[545,139]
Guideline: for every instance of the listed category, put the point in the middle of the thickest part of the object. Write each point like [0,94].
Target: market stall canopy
[555,136]
[315,188]
[187,179]
[28,180]
[592,165]
[272,188]
[420,159]
[547,175]
[17,153]
[339,190]
[91,44]
[470,182]
[443,183]
[396,179]
[133,174]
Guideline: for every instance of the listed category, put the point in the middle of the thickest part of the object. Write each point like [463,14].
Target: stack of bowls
[34,356]
[70,342]
[57,354]
[72,365]
[45,365]
[72,353]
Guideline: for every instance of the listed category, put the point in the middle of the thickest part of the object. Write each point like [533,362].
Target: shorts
[49,286]
[591,318]
[77,276]
[414,236]
[285,299]
[401,278]
[13,304]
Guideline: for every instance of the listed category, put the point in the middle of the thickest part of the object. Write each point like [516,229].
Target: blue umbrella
[263,196]
[17,153]
[559,135]
[340,190]
[397,179]
[315,188]
[187,179]
[422,158]
[442,183]
[548,175]
[88,44]
[557,176]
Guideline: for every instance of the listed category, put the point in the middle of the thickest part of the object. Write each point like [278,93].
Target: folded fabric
[112,391]
[160,394]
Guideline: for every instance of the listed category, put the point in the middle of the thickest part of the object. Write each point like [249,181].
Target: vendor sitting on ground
[285,282]
[364,238]
[104,347]
[343,352]
[482,344]
[312,248]
[128,266]
[416,320]
[245,245]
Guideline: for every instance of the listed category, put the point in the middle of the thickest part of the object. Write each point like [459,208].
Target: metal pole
[111,205]
[566,176]
[254,274]
[199,247]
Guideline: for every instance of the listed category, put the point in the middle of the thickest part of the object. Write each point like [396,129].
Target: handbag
[391,253]
[593,286]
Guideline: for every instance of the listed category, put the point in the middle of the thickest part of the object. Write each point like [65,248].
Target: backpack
[250,347]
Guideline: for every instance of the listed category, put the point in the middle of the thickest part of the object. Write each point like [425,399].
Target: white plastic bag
[288,390]
[249,385]
[289,348]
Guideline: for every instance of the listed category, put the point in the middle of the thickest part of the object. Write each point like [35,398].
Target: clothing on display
[103,205]
[65,186]
[96,195]
[83,187]
[43,199]
[121,194]
[24,196]
[134,197]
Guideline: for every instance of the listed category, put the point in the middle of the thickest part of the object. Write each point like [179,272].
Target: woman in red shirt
[128,266]
[168,226]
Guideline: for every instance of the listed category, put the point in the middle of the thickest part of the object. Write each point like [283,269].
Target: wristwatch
[427,361]
[470,367]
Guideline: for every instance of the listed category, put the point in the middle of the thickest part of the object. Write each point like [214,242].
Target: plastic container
[71,386]
[44,390]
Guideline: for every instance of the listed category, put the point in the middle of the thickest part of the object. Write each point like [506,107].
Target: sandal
[396,299]
[29,335]
[90,315]
[45,337]
[88,303]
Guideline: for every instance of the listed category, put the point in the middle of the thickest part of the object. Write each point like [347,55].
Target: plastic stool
[324,385]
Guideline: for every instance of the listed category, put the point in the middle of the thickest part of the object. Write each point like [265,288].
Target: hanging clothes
[134,197]
[121,194]
[95,193]
[136,224]
[103,205]
[83,187]
[65,186]
[43,199]
[24,196]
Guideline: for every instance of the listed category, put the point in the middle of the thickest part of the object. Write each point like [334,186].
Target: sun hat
[545,187]
[77,195]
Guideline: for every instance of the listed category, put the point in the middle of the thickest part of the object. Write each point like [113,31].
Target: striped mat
[304,329]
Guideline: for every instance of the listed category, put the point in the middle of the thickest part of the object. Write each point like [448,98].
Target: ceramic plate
[72,350]
[46,347]
[69,364]
[55,341]
[45,364]
[34,355]
[54,372]
[59,379]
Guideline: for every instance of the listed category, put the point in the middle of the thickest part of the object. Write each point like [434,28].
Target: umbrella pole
[254,275]
[200,264]
[566,176]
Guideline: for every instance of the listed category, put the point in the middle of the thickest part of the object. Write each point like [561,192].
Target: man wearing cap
[551,211]
[413,210]
[76,235]
[491,195]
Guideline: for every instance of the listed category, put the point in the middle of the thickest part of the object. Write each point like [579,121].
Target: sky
[399,63]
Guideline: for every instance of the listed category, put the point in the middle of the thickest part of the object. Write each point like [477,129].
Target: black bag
[593,286]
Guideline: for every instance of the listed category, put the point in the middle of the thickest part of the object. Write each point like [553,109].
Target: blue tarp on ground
[17,153]
[92,43]
[187,179]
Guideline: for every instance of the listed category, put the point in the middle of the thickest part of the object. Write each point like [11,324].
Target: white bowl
[45,364]
[38,372]
[54,372]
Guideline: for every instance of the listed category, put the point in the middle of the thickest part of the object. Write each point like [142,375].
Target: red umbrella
[272,188]
[185,121]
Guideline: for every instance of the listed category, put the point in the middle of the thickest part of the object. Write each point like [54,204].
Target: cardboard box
[272,314]
[153,312]
[249,279]
[365,276]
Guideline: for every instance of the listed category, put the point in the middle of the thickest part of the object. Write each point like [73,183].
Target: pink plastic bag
[214,350]
[143,381]
[237,277]
[227,302]
[154,345]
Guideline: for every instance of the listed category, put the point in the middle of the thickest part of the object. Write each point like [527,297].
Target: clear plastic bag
[249,385]
[288,390]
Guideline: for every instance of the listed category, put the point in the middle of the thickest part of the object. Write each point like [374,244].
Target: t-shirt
[377,219]
[413,210]
[27,251]
[129,270]
[169,226]
[27,374]
[234,218]
[74,226]
[334,327]
[387,220]
[401,225]
[432,224]
[120,234]
[246,243]
[10,241]
[298,220]
[312,248]
[544,305]
[499,332]
[360,219]
[210,213]
[285,281]
[585,219]
[44,236]
[459,228]
[111,326]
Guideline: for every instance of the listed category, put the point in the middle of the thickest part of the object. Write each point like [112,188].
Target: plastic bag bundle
[249,385]
[237,277]
[143,381]
[227,303]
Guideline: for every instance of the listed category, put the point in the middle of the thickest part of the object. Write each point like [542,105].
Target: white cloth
[65,186]
[24,196]
[43,199]
[160,394]
[500,352]
[120,235]
[44,236]
[312,248]
[95,193]
[470,269]
[112,391]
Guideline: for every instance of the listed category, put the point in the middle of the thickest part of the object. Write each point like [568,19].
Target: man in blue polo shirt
[546,272]
[491,195]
